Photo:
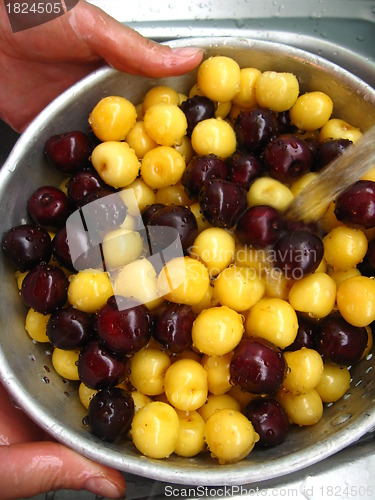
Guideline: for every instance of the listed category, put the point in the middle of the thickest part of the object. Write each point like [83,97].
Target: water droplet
[341,419]
[14,403]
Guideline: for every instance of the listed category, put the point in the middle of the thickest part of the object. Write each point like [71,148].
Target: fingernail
[187,51]
[104,487]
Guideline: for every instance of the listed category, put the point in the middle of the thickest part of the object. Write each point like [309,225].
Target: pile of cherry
[267,145]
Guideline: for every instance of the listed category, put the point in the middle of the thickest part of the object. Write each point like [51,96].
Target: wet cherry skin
[69,328]
[99,367]
[222,202]
[69,152]
[49,207]
[82,184]
[260,226]
[44,288]
[298,253]
[328,151]
[103,210]
[243,168]
[196,109]
[269,420]
[200,170]
[356,205]
[26,246]
[287,157]
[257,366]
[124,325]
[341,342]
[173,324]
[176,217]
[254,128]
[110,413]
[306,334]
[149,211]
[89,255]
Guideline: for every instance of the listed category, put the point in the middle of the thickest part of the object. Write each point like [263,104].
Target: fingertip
[188,52]
[192,56]
[179,60]
[105,487]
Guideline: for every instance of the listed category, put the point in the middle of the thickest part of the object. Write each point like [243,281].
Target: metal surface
[341,31]
[25,367]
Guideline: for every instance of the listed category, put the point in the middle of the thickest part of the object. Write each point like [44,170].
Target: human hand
[31,464]
[37,64]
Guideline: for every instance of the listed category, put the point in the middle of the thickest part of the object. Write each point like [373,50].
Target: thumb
[127,50]
[29,469]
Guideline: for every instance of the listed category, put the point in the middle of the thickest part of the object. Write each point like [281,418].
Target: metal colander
[26,368]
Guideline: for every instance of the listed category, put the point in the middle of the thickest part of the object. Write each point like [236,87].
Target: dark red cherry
[85,254]
[222,202]
[49,207]
[44,288]
[201,169]
[257,366]
[260,226]
[69,152]
[269,419]
[173,324]
[60,249]
[99,367]
[283,120]
[340,342]
[328,151]
[370,255]
[367,266]
[110,413]
[292,225]
[254,128]
[178,218]
[299,253]
[82,184]
[69,328]
[149,211]
[356,205]
[196,109]
[103,210]
[287,157]
[313,144]
[306,334]
[243,168]
[26,246]
[124,325]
